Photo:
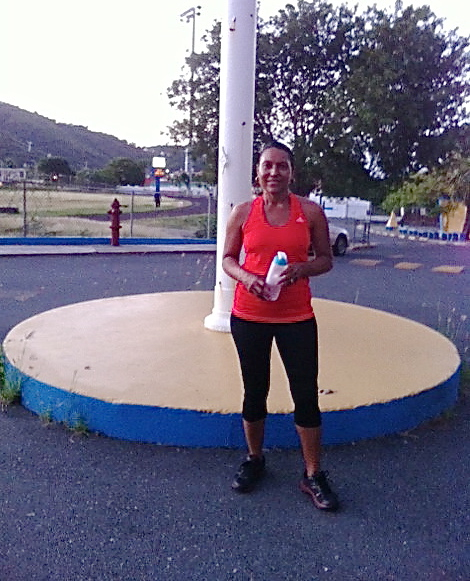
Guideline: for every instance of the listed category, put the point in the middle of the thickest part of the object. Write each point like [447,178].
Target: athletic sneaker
[249,474]
[318,488]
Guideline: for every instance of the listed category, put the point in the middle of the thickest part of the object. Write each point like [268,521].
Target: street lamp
[189,15]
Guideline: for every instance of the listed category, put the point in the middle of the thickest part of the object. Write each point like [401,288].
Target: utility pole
[189,15]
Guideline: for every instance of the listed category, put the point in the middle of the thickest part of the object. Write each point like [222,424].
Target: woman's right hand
[254,284]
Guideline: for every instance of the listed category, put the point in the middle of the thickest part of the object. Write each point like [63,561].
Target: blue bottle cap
[281,258]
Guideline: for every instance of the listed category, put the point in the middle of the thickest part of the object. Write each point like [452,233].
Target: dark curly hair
[273,144]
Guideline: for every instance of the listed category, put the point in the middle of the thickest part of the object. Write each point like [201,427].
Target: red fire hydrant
[115,213]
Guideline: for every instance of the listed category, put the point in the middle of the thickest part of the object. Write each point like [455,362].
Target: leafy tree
[205,126]
[83,176]
[7,162]
[294,75]
[342,175]
[121,171]
[302,69]
[458,184]
[424,188]
[408,88]
[54,167]
[363,99]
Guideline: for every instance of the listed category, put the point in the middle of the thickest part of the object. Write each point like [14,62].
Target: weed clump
[10,391]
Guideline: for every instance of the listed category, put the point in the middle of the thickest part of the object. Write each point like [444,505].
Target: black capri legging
[298,347]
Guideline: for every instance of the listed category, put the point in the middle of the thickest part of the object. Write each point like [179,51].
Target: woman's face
[274,171]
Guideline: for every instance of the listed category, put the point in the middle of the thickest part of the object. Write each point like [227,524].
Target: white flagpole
[237,97]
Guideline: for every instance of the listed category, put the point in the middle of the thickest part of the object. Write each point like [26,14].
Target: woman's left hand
[292,273]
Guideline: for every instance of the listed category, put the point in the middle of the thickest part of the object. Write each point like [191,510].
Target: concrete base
[144,368]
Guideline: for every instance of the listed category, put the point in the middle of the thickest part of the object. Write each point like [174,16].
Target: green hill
[26,137]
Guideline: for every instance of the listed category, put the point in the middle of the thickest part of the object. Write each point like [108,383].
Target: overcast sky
[107,65]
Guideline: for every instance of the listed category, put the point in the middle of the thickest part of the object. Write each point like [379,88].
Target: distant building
[343,207]
[12,174]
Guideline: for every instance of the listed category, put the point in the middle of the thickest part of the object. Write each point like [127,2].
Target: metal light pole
[237,96]
[190,14]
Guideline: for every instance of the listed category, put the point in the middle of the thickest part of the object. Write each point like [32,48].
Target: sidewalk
[126,247]
[140,247]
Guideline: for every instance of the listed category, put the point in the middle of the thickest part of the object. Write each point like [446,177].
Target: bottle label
[271,292]
[272,287]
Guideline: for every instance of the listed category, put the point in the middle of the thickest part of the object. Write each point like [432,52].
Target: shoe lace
[250,465]
[321,480]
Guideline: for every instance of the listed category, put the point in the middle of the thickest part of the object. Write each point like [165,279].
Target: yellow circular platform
[143,367]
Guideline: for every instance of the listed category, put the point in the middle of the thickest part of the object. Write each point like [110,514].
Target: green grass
[44,207]
[89,211]
[2,369]
[10,394]
[191,222]
[10,391]
[465,380]
[46,417]
[78,426]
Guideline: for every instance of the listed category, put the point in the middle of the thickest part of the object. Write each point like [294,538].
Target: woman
[278,220]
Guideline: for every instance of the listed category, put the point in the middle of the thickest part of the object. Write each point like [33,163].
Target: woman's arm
[320,240]
[232,248]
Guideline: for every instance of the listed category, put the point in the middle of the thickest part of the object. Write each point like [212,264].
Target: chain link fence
[29,209]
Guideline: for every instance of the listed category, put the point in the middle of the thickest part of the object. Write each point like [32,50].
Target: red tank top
[261,241]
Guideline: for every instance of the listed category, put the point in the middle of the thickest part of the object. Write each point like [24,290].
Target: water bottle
[272,287]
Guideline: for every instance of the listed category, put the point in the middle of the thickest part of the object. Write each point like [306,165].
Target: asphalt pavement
[87,507]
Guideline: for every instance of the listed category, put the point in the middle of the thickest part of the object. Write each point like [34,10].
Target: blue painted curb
[451,238]
[72,241]
[189,428]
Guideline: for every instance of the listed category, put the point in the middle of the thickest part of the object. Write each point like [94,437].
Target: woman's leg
[310,443]
[254,436]
[253,342]
[298,347]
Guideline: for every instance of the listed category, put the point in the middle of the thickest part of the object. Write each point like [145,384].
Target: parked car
[339,239]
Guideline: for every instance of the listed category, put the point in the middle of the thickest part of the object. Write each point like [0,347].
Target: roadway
[93,508]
